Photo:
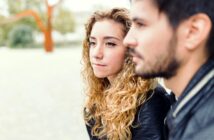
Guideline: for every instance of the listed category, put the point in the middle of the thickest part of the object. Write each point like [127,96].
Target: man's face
[152,41]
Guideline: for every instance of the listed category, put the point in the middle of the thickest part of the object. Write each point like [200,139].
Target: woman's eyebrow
[91,37]
[111,37]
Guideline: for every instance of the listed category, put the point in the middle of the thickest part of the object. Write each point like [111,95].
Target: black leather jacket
[149,120]
[192,117]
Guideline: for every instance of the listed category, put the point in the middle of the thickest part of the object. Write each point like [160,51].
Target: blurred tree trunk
[45,28]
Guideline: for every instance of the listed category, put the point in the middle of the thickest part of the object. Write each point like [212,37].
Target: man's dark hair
[179,10]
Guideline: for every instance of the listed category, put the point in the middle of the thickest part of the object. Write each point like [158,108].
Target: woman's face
[107,52]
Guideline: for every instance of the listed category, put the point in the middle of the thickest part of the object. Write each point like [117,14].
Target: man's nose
[129,40]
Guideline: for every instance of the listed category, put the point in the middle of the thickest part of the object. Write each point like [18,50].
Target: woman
[120,105]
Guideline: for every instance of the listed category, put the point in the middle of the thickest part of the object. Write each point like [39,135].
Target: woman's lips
[99,65]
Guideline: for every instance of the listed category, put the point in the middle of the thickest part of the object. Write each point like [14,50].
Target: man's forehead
[144,4]
[151,1]
[141,8]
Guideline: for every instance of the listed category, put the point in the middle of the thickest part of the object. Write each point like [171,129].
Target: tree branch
[31,13]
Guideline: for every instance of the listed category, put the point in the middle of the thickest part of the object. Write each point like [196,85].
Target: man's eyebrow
[135,19]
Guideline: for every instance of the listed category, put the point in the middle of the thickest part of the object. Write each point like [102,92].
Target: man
[174,39]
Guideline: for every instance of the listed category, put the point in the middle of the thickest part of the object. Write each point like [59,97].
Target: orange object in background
[46,29]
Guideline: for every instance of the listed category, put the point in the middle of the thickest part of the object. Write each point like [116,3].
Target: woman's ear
[198,29]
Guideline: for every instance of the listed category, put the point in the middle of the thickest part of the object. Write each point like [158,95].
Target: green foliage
[20,36]
[30,21]
[13,7]
[16,6]
[2,33]
[2,19]
[1,37]
[6,28]
[64,21]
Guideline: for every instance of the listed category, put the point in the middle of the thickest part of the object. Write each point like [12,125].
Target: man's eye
[139,24]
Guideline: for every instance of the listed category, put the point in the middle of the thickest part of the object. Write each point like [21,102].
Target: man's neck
[183,76]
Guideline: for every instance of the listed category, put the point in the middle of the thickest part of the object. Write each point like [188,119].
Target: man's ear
[198,30]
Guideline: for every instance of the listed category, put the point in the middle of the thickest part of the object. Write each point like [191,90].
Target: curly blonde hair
[112,108]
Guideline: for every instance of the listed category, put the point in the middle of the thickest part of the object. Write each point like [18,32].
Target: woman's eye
[110,44]
[91,43]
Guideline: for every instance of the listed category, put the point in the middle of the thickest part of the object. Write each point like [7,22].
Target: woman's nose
[98,51]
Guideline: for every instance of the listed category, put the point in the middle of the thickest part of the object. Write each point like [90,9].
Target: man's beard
[165,68]
[166,73]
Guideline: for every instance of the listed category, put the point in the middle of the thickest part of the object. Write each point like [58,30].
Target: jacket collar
[199,80]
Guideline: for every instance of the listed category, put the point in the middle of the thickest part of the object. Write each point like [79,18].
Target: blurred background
[41,91]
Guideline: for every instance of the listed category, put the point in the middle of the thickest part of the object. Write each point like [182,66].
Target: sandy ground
[41,95]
